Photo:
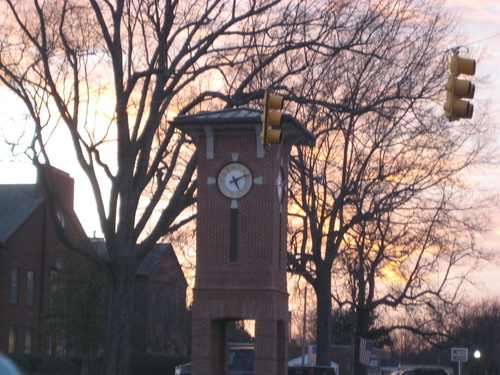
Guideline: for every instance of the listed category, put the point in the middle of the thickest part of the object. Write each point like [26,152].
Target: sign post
[459,355]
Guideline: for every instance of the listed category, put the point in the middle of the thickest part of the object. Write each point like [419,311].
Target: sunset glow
[478,33]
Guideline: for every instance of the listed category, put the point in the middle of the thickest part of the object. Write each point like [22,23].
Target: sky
[479,23]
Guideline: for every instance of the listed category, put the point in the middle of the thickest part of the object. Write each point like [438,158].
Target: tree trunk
[323,319]
[361,330]
[118,347]
[85,366]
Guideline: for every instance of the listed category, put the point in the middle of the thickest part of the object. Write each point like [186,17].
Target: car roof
[240,346]
[425,371]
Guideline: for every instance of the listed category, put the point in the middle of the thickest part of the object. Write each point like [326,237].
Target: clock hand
[235,181]
[242,176]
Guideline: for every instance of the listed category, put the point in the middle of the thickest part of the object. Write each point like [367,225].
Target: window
[28,341]
[30,295]
[61,219]
[14,285]
[55,284]
[12,338]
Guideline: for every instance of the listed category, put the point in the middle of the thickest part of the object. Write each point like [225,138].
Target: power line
[482,40]
[470,43]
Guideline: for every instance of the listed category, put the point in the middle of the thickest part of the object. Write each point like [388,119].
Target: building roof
[224,115]
[150,261]
[17,204]
[161,262]
[242,118]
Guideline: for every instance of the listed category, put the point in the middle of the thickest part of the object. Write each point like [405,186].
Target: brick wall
[253,286]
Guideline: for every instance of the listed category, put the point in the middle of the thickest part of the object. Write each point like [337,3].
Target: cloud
[484,12]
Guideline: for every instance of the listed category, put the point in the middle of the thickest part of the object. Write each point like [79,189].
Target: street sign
[459,354]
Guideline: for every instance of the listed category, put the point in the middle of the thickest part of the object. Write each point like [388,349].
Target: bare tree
[383,191]
[168,325]
[112,73]
[474,324]
[478,328]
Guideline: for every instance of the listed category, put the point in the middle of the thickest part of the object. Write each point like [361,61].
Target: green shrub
[95,366]
[155,364]
[57,366]
[142,364]
[28,362]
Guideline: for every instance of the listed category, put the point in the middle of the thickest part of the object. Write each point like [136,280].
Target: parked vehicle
[310,370]
[425,371]
[8,367]
[184,369]
[240,362]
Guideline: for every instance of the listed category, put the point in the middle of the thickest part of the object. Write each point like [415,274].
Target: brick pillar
[270,347]
[282,347]
[209,346]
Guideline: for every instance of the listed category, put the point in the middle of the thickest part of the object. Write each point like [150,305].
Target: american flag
[311,355]
[365,351]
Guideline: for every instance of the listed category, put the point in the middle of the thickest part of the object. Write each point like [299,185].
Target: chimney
[61,182]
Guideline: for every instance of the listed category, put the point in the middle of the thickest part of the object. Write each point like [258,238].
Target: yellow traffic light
[459,65]
[271,118]
[456,89]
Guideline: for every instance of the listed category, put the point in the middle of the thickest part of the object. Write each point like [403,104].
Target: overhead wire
[483,39]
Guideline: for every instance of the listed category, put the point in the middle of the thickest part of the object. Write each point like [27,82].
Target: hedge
[44,364]
[142,364]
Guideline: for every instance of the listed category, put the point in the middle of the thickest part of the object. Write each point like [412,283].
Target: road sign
[459,354]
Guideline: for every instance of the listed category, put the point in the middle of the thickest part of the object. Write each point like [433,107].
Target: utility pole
[304,321]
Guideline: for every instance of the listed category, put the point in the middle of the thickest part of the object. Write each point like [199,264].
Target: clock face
[234,180]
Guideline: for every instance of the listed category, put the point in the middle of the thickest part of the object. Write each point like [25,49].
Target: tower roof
[242,118]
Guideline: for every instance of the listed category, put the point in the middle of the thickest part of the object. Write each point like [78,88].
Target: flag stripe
[365,351]
[311,354]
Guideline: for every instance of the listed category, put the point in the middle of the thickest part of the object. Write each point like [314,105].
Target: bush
[155,364]
[28,362]
[33,363]
[57,366]
[142,364]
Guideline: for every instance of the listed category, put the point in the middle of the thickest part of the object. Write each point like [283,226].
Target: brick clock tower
[241,236]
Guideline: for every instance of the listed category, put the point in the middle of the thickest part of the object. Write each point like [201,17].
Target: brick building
[29,252]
